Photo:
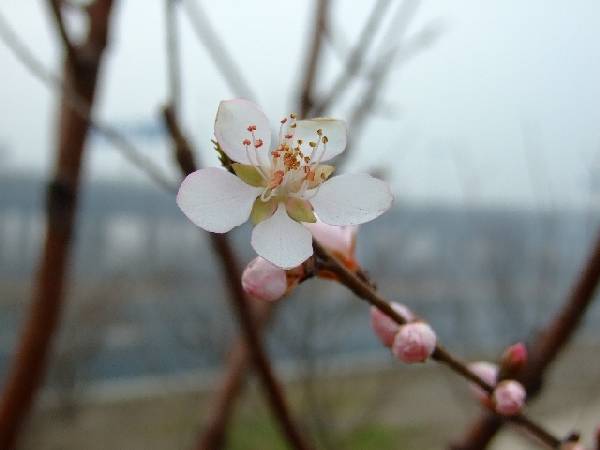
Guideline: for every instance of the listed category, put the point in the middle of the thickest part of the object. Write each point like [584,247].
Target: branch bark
[544,350]
[34,346]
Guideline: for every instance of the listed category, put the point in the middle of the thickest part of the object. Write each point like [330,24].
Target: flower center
[291,167]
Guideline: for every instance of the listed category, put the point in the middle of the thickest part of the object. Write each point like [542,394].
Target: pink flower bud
[414,342]
[509,397]
[488,372]
[514,357]
[339,240]
[264,281]
[384,327]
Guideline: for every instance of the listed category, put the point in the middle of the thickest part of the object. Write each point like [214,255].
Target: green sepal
[225,160]
[248,174]
[262,210]
[300,210]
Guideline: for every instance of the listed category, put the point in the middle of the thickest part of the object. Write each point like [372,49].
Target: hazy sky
[505,107]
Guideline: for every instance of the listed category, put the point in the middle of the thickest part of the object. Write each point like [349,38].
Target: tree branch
[33,348]
[546,348]
[443,356]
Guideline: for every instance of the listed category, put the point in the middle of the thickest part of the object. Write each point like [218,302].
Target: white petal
[216,200]
[351,199]
[334,129]
[281,240]
[231,123]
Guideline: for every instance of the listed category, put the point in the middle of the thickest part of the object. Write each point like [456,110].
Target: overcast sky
[503,108]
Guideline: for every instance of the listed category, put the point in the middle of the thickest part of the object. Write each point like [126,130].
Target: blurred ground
[401,408]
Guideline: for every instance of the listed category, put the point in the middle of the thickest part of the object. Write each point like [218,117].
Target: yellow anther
[320,132]
[292,115]
[293,125]
[325,140]
[312,144]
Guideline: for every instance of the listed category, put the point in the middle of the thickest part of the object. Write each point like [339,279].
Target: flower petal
[231,123]
[351,199]
[334,129]
[281,240]
[216,200]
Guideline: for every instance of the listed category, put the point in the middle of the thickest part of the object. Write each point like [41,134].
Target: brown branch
[215,427]
[545,349]
[364,291]
[241,304]
[313,55]
[69,49]
[29,365]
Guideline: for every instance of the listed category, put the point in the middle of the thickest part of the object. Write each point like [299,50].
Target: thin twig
[355,59]
[546,348]
[173,55]
[55,8]
[209,38]
[241,303]
[313,56]
[366,292]
[29,366]
[81,106]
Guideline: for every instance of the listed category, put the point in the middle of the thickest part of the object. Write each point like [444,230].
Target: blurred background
[484,119]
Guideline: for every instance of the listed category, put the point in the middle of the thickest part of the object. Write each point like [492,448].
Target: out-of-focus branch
[544,350]
[81,106]
[55,8]
[209,38]
[232,273]
[355,59]
[313,56]
[364,291]
[29,365]
[173,55]
[214,435]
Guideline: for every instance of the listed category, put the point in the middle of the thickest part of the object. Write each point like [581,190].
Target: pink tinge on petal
[414,342]
[488,372]
[384,327]
[341,240]
[509,397]
[263,280]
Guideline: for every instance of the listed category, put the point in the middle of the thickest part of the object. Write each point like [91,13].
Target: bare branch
[173,55]
[28,368]
[313,55]
[209,38]
[81,106]
[355,59]
[55,8]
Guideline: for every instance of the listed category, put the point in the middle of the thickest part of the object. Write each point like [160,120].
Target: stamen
[251,128]
[246,142]
[258,143]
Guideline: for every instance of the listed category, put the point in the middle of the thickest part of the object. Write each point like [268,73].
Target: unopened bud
[509,397]
[488,372]
[514,358]
[263,280]
[384,326]
[414,342]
